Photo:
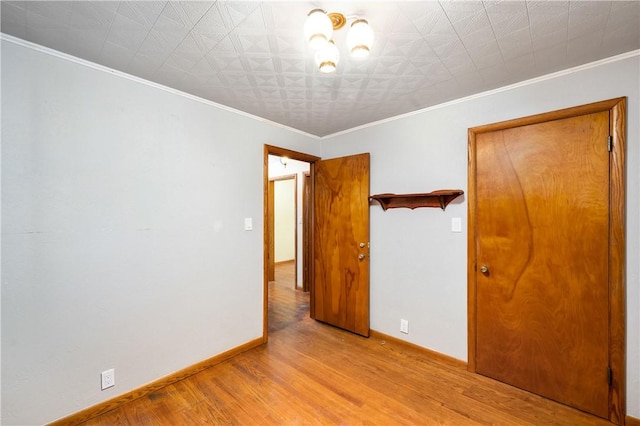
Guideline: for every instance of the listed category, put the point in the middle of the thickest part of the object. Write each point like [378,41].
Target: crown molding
[102,68]
[524,83]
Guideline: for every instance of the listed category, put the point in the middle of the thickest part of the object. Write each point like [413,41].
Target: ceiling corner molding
[102,68]
[524,83]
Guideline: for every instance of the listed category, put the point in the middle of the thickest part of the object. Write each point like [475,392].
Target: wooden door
[542,208]
[340,294]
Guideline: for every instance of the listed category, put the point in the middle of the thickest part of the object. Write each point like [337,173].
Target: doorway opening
[287,236]
[283,221]
[287,305]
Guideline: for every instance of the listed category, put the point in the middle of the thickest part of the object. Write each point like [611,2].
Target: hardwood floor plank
[398,391]
[296,383]
[310,373]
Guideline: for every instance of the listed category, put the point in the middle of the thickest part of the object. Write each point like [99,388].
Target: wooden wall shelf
[440,198]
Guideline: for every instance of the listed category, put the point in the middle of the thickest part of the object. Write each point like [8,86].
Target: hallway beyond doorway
[286,305]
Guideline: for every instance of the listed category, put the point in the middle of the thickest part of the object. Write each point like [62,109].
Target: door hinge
[609,376]
[610,143]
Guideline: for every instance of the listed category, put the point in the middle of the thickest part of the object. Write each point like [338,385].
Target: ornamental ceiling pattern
[251,55]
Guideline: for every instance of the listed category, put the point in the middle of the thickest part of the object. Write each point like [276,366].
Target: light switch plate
[248,224]
[404,326]
[456,224]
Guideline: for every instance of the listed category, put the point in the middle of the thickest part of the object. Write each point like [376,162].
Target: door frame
[617,239]
[294,155]
[306,230]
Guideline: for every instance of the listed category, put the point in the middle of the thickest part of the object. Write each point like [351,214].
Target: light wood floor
[310,373]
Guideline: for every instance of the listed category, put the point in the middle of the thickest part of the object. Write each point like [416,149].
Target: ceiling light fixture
[318,30]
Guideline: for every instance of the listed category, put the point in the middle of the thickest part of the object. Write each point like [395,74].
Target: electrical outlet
[404,326]
[108,378]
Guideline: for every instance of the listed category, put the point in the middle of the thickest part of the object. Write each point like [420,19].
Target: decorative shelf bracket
[440,198]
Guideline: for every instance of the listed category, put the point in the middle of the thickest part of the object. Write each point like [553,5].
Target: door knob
[362,245]
[484,269]
[361,256]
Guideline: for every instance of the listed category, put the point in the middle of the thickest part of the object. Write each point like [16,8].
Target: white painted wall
[123,242]
[418,267]
[285,219]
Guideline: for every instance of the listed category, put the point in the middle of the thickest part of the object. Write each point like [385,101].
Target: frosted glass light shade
[360,39]
[317,29]
[327,58]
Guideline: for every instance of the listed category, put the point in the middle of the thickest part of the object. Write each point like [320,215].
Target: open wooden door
[546,214]
[340,294]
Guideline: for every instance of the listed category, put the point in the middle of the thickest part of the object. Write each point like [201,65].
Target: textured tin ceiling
[251,56]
